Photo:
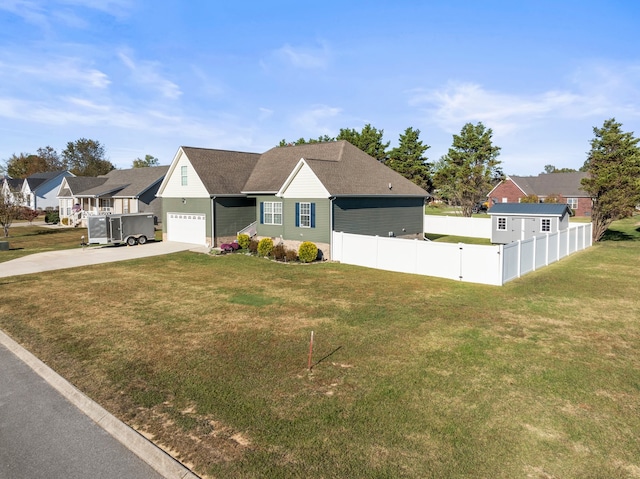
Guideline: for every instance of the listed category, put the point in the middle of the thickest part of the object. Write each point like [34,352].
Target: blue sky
[145,77]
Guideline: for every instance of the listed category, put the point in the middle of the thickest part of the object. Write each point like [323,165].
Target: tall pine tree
[613,165]
[409,159]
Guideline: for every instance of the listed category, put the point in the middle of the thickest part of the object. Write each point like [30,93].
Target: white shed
[519,221]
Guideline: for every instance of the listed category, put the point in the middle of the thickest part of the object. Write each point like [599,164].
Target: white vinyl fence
[493,265]
[458,226]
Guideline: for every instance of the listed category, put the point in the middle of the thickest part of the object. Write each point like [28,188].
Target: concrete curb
[158,459]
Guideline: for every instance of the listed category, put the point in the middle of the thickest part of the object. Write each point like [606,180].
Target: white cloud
[596,90]
[41,12]
[61,70]
[146,73]
[457,104]
[306,58]
[30,11]
[315,120]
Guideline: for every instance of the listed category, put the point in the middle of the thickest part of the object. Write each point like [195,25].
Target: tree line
[83,157]
[463,176]
[471,168]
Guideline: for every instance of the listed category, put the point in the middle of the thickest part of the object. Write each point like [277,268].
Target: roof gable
[343,169]
[303,183]
[221,172]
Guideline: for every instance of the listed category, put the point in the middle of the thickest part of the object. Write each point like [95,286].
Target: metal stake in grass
[310,351]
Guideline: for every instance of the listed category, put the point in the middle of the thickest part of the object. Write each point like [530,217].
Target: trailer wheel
[131,241]
[142,240]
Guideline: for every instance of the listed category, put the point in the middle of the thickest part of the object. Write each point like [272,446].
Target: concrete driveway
[73,258]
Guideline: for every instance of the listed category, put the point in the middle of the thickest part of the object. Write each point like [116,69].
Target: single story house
[39,191]
[520,221]
[291,194]
[11,186]
[565,186]
[119,192]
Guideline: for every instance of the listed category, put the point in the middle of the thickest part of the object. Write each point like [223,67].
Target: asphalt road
[42,435]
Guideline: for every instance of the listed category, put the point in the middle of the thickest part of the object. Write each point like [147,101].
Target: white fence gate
[493,265]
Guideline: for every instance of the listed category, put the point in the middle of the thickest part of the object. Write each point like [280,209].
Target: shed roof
[530,209]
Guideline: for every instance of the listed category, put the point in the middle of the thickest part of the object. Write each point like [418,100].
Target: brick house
[566,186]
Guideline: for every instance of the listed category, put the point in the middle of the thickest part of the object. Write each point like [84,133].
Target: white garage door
[187,228]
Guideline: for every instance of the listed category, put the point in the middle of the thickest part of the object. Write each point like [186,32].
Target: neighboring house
[39,191]
[119,191]
[520,221]
[566,186]
[292,194]
[11,186]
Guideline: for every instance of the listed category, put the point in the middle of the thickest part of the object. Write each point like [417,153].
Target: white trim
[302,165]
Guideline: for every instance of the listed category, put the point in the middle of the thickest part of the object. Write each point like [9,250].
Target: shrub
[279,252]
[244,240]
[291,255]
[253,246]
[28,214]
[265,246]
[307,252]
[65,221]
[52,217]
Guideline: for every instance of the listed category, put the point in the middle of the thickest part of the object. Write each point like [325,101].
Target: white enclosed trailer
[131,229]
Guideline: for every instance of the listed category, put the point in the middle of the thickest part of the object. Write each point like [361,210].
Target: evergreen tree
[409,160]
[613,165]
[470,169]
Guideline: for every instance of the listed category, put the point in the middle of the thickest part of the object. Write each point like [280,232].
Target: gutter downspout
[331,198]
[213,221]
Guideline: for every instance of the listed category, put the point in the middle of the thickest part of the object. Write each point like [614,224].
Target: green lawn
[413,376]
[26,240]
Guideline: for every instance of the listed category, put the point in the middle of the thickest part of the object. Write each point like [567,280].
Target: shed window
[546,225]
[502,224]
[183,175]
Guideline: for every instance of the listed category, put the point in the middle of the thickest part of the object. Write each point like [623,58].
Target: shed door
[187,228]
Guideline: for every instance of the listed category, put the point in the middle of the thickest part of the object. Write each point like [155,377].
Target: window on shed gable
[502,223]
[183,175]
[546,225]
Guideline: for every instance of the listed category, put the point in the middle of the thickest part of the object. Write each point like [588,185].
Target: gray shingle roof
[222,172]
[79,184]
[565,184]
[530,209]
[128,183]
[341,167]
[37,179]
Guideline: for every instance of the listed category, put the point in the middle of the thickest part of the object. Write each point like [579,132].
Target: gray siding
[379,216]
[148,203]
[321,233]
[192,205]
[233,214]
[524,227]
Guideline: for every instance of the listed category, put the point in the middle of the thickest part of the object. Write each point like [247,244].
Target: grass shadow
[616,235]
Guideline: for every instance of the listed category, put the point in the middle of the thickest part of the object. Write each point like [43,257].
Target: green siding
[233,214]
[192,205]
[288,230]
[379,216]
